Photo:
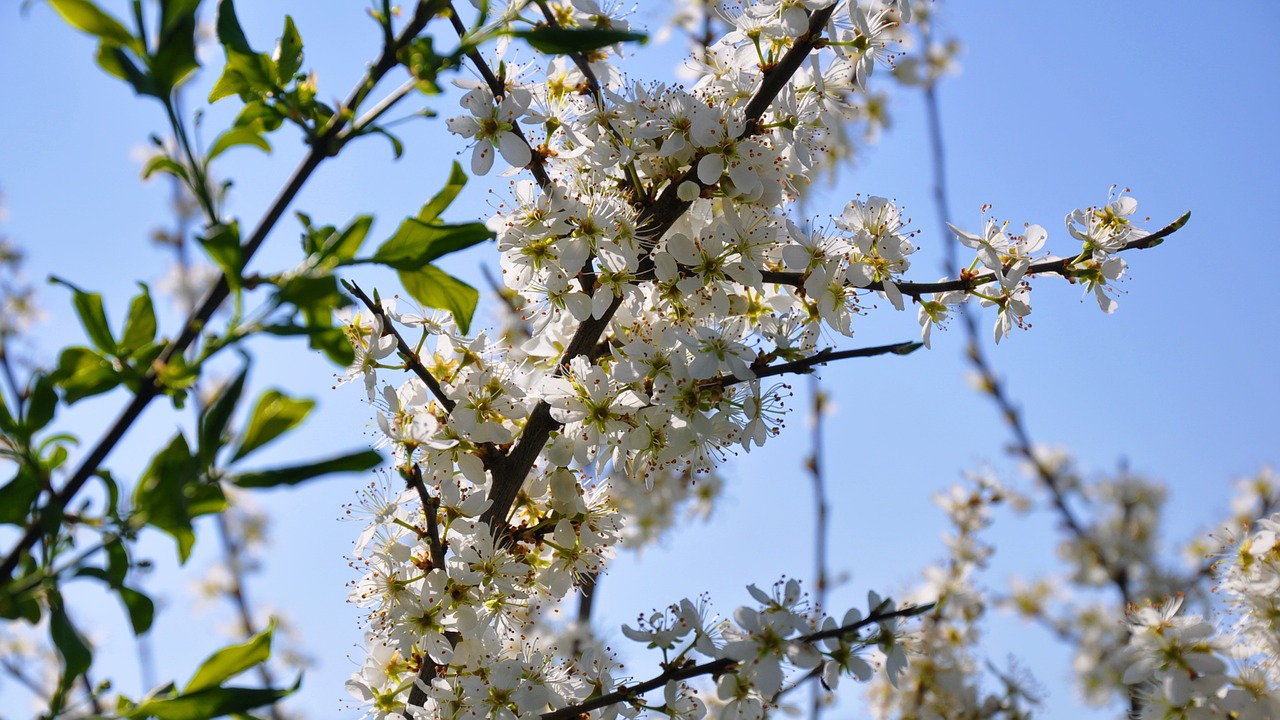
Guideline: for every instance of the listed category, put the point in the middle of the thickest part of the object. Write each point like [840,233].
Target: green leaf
[566,41]
[88,17]
[260,116]
[8,423]
[348,242]
[231,661]
[161,495]
[310,292]
[41,404]
[435,288]
[216,417]
[247,73]
[83,373]
[209,703]
[417,243]
[72,648]
[223,247]
[165,164]
[424,63]
[141,609]
[239,136]
[18,497]
[205,499]
[175,56]
[115,61]
[288,53]
[139,606]
[275,414]
[176,13]
[351,462]
[92,316]
[23,606]
[140,326]
[437,205]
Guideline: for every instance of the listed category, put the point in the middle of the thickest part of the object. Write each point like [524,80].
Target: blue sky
[1055,103]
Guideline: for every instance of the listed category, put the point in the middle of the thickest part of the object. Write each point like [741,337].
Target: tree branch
[1056,266]
[627,693]
[411,359]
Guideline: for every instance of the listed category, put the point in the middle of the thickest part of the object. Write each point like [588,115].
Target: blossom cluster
[663,279]
[1191,667]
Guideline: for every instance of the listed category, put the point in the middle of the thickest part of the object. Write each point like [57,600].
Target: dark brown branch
[411,359]
[1059,266]
[822,357]
[627,693]
[323,147]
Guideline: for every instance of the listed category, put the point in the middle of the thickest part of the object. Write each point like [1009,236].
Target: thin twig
[1023,446]
[627,693]
[1055,266]
[822,357]
[816,467]
[411,360]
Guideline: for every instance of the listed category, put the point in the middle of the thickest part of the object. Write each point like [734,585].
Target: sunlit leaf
[435,288]
[565,41]
[274,415]
[292,475]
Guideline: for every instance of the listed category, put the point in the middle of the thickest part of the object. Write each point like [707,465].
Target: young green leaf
[274,415]
[443,199]
[435,288]
[223,246]
[217,417]
[18,496]
[288,53]
[165,164]
[118,63]
[566,41]
[42,403]
[230,34]
[140,326]
[92,316]
[351,462]
[237,136]
[208,703]
[72,648]
[88,17]
[231,661]
[417,243]
[83,373]
[162,493]
[175,57]
[348,242]
[247,73]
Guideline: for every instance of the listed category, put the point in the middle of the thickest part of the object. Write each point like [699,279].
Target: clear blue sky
[1056,102]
